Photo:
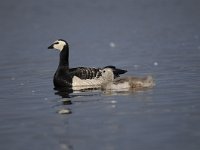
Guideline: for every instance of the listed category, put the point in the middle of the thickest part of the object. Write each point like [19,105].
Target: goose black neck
[64,57]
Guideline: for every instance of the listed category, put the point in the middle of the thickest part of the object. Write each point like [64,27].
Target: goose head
[107,74]
[148,82]
[59,44]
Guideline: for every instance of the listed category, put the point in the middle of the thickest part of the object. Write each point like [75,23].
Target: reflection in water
[70,93]
[81,90]
[124,91]
[66,146]
[63,92]
[93,93]
[67,93]
[66,101]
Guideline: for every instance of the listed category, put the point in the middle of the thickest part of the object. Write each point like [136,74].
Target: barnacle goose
[126,83]
[80,76]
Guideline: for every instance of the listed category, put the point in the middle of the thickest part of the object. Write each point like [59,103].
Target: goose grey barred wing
[85,73]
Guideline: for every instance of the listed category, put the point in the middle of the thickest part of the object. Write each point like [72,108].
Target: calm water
[160,38]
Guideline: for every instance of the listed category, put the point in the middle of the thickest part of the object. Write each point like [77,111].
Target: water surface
[161,39]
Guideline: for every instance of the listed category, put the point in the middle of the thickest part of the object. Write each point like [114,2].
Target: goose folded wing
[85,73]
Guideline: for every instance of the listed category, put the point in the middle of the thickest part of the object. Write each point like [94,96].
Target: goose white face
[107,74]
[58,44]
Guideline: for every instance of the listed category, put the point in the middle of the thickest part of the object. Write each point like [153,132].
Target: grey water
[146,37]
